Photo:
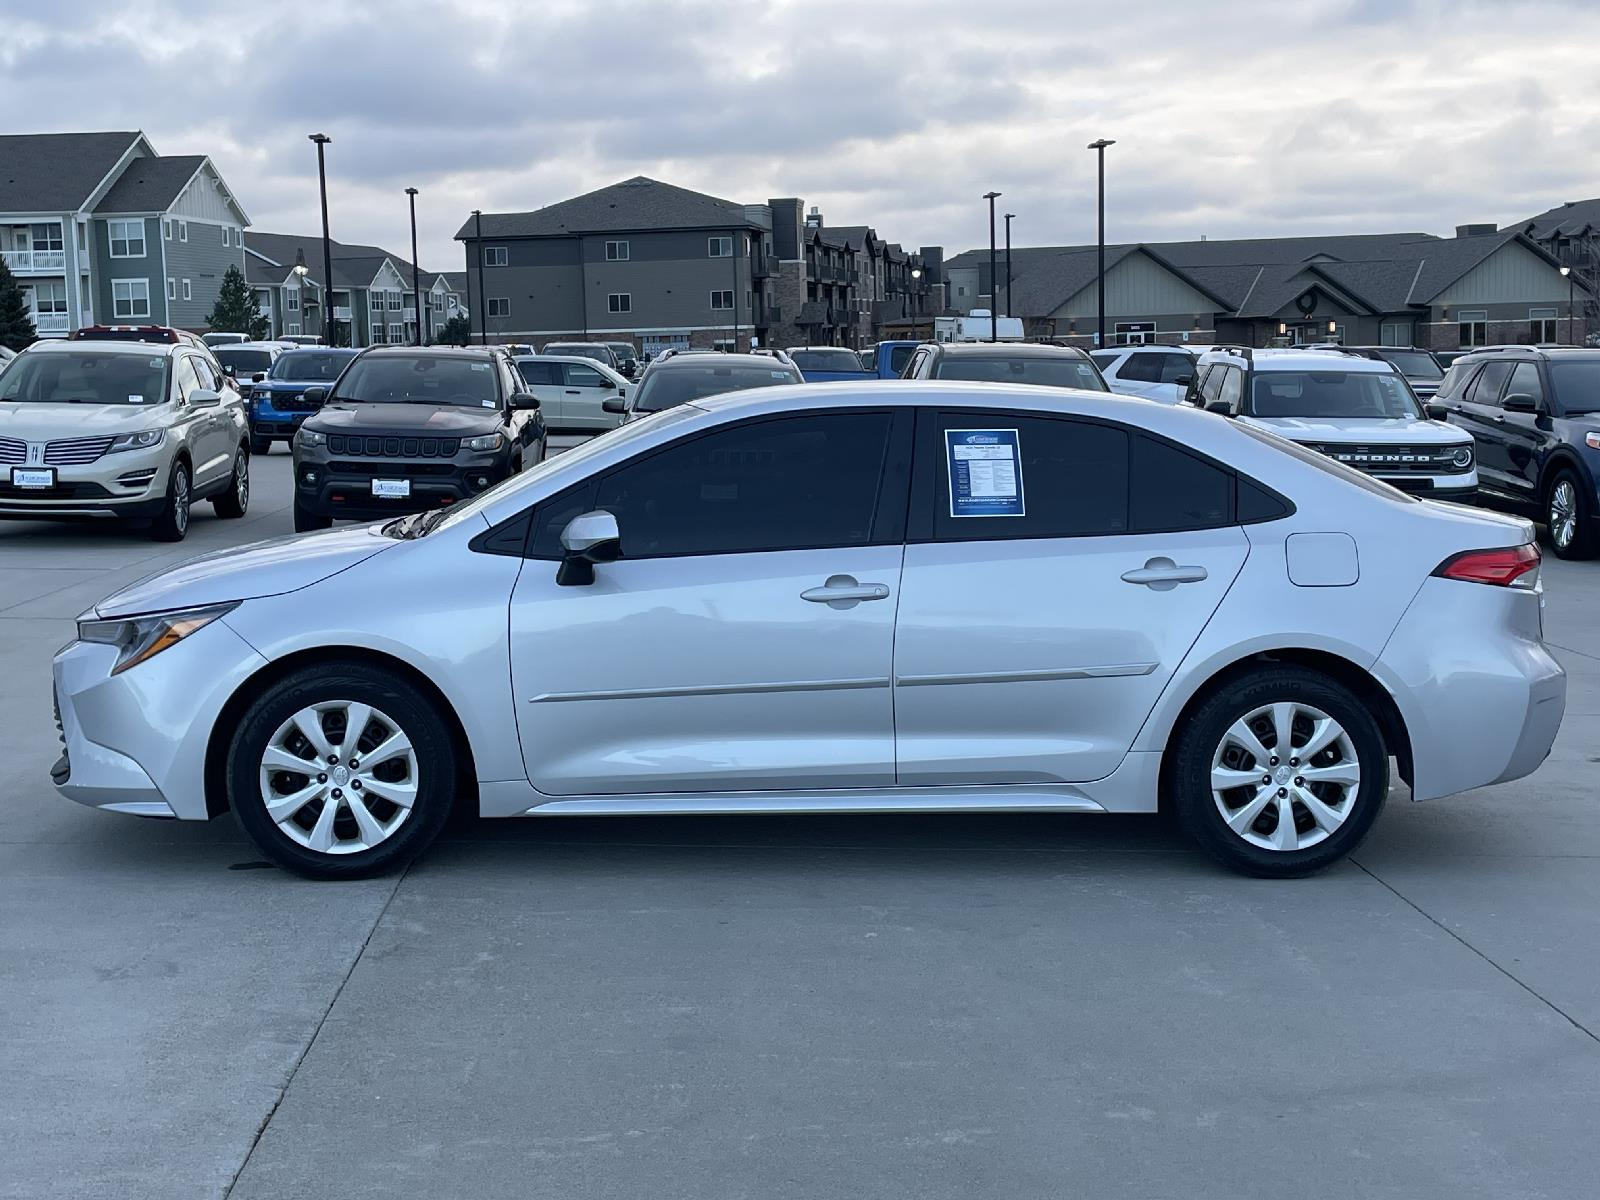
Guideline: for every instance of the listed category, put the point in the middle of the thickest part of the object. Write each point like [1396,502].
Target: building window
[378,336]
[1542,324]
[127,238]
[131,298]
[46,237]
[186,293]
[1395,333]
[719,247]
[436,302]
[183,231]
[394,301]
[721,300]
[1133,333]
[294,327]
[616,251]
[619,302]
[495,256]
[499,306]
[172,288]
[1474,327]
[50,299]
[227,238]
[291,300]
[166,230]
[397,334]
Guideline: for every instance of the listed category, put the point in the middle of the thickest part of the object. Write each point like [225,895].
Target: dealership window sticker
[985,472]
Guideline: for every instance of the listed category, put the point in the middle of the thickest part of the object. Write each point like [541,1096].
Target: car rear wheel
[341,772]
[306,519]
[1571,527]
[1279,773]
[172,522]
[236,500]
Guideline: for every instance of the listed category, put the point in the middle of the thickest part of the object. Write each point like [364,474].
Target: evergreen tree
[235,310]
[457,331]
[16,325]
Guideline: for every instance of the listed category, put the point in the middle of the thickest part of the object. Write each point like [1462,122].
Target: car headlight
[310,437]
[141,638]
[489,441]
[142,440]
[1461,457]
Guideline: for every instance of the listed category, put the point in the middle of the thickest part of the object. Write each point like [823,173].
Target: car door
[544,380]
[522,424]
[207,457]
[584,392]
[232,421]
[1479,413]
[1139,374]
[744,639]
[1030,647]
[1525,435]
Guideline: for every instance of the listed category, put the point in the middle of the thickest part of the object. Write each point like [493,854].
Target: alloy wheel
[1285,776]
[241,480]
[1563,513]
[180,500]
[339,777]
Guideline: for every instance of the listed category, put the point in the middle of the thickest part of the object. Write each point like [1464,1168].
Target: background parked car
[1534,415]
[224,339]
[1006,362]
[302,339]
[278,403]
[627,358]
[598,351]
[827,364]
[247,362]
[1154,372]
[1421,368]
[573,391]
[680,378]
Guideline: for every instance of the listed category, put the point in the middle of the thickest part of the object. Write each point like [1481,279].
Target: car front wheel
[1279,773]
[308,519]
[341,772]
[1571,528]
[172,522]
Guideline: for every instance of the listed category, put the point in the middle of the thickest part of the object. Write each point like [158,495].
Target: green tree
[457,331]
[16,325]
[235,310]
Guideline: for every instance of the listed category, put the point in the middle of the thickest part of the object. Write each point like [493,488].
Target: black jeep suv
[407,429]
[1534,414]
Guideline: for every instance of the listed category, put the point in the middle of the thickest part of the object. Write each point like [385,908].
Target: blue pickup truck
[277,402]
[887,360]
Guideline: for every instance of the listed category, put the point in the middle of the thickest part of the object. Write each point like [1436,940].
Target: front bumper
[136,742]
[131,483]
[343,488]
[1459,487]
[274,423]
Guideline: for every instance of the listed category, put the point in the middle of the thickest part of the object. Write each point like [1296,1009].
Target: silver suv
[121,429]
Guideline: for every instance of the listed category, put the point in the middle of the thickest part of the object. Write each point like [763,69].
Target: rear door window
[1143,368]
[1525,381]
[1486,387]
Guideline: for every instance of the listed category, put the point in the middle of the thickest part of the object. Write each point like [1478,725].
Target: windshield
[621,349]
[419,379]
[86,377]
[668,387]
[899,356]
[1414,364]
[1330,394]
[1577,385]
[243,362]
[826,360]
[316,366]
[1044,371]
[578,350]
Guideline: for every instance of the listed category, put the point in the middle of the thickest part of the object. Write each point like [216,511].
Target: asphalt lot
[828,1007]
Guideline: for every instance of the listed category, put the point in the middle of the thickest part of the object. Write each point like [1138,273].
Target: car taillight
[1509,566]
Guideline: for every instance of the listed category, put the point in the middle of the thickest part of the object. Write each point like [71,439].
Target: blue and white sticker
[985,472]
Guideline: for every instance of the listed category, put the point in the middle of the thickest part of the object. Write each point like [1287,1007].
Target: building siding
[1512,274]
[202,260]
[1135,286]
[107,269]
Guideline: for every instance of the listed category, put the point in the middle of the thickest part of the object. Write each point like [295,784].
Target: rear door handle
[1162,575]
[842,591]
[1498,418]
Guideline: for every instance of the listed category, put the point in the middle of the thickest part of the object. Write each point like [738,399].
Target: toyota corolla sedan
[838,598]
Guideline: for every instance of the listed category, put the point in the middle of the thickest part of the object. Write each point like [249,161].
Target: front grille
[378,470]
[62,491]
[75,452]
[384,446]
[289,401]
[13,451]
[1396,460]
[61,771]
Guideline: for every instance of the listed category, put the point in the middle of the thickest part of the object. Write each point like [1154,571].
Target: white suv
[121,429]
[1154,372]
[1358,410]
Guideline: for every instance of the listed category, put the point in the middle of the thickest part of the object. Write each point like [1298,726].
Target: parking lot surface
[851,1007]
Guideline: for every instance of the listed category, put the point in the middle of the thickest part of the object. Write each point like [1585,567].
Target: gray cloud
[1354,115]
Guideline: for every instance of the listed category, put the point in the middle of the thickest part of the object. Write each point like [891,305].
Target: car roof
[1008,349]
[1584,353]
[249,346]
[59,346]
[321,350]
[680,361]
[435,351]
[578,359]
[1274,359]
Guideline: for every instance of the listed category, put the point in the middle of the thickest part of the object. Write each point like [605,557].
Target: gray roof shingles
[150,184]
[634,204]
[55,172]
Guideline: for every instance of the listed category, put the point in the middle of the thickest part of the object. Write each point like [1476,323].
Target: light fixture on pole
[300,273]
[1572,328]
[1009,217]
[322,140]
[994,298]
[1099,147]
[416,286]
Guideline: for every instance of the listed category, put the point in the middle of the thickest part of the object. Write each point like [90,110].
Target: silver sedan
[884,597]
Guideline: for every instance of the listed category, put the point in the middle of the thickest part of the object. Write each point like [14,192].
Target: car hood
[438,419]
[41,422]
[1366,430]
[247,572]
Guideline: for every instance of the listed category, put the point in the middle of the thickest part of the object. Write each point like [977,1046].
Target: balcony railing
[35,262]
[49,322]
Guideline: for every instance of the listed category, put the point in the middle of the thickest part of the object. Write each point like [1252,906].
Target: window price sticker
[985,472]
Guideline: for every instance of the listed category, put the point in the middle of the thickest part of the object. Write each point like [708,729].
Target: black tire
[544,449]
[260,445]
[1206,736]
[234,502]
[396,705]
[172,522]
[1571,536]
[306,520]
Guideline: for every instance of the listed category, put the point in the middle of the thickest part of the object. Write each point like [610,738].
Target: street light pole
[1009,217]
[483,304]
[1099,147]
[1572,328]
[322,139]
[994,288]
[416,286]
[733,252]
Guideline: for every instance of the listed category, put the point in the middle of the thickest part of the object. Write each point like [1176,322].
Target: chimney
[1480,230]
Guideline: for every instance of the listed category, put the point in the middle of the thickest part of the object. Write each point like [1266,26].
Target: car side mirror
[606,383]
[590,538]
[1520,402]
[1221,407]
[258,377]
[615,405]
[316,395]
[524,400]
[1436,412]
[1184,380]
[204,398]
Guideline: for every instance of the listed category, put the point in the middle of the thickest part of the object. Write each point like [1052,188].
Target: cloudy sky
[1232,118]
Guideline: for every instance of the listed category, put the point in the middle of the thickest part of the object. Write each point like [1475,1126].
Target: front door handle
[1498,418]
[572,391]
[1162,575]
[842,591]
